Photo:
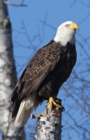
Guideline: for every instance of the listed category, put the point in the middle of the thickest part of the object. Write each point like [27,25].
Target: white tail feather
[24,111]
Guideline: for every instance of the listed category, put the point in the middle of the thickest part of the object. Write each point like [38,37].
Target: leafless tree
[8,78]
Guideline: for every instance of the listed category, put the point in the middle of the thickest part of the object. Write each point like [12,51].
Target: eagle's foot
[56,103]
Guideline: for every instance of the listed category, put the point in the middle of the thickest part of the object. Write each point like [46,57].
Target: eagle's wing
[38,68]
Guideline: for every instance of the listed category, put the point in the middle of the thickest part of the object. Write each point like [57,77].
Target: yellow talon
[55,103]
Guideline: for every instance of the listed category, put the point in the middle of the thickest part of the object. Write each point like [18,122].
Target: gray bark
[49,125]
[7,78]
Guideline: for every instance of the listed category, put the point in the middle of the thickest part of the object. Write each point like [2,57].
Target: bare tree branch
[73,3]
[87,5]
[13,4]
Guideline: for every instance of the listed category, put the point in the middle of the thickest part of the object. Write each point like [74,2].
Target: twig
[13,4]
[73,3]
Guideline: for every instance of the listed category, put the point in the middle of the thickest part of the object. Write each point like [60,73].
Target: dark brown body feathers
[46,72]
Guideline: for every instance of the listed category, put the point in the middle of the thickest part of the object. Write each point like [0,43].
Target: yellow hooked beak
[73,26]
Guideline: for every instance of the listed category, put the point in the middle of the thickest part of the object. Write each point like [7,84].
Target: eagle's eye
[67,25]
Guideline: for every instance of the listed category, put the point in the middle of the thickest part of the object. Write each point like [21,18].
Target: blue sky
[35,25]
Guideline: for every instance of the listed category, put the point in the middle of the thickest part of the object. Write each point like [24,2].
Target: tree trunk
[7,78]
[49,123]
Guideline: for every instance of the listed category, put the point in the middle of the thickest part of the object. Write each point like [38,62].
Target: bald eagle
[49,68]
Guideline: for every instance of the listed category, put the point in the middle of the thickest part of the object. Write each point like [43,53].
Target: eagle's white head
[66,33]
